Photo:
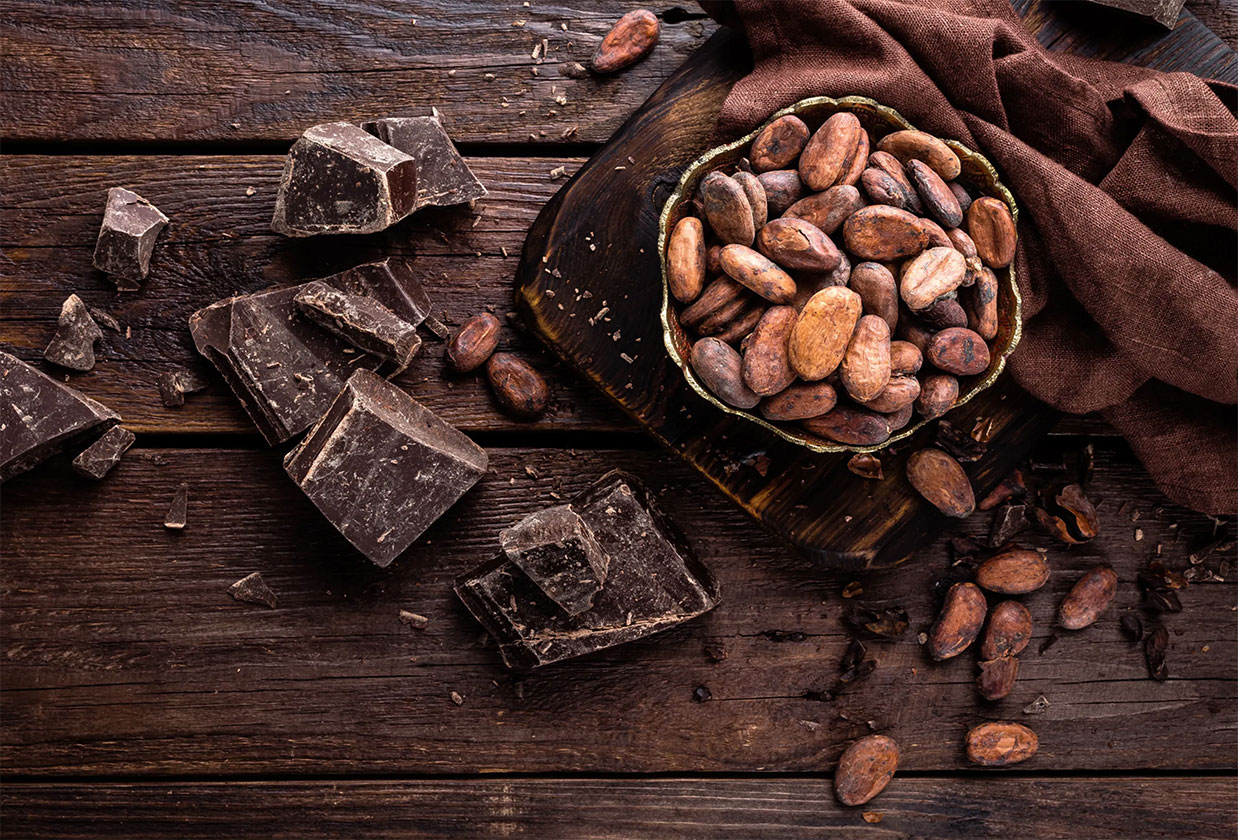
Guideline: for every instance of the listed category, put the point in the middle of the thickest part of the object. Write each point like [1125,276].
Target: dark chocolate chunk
[558,552]
[443,177]
[437,328]
[653,581]
[178,511]
[40,416]
[252,589]
[96,461]
[382,468]
[284,369]
[339,179]
[1164,12]
[73,345]
[361,321]
[175,384]
[1008,522]
[131,224]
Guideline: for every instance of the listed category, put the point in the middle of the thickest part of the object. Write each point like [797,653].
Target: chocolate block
[175,384]
[131,224]
[98,460]
[339,179]
[285,369]
[443,178]
[653,581]
[73,345]
[558,552]
[40,416]
[382,468]
[361,321]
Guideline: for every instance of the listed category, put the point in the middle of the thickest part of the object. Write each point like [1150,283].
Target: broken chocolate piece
[443,178]
[252,589]
[557,551]
[73,345]
[1164,12]
[105,320]
[131,224]
[382,468]
[653,581]
[414,620]
[40,416]
[1008,522]
[339,179]
[284,369]
[178,511]
[175,384]
[361,321]
[96,461]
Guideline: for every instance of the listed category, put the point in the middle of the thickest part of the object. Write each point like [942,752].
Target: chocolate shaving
[252,589]
[715,651]
[412,619]
[784,635]
[853,656]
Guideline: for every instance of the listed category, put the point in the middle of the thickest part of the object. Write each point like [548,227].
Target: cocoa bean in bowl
[860,243]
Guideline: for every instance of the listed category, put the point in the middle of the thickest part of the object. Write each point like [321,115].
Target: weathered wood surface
[123,654]
[628,809]
[231,70]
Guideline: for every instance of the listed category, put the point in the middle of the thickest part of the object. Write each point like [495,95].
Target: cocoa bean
[899,393]
[918,335]
[719,367]
[959,622]
[726,207]
[820,336]
[997,677]
[722,318]
[875,285]
[713,260]
[758,273]
[899,419]
[884,233]
[631,38]
[685,260]
[798,245]
[1009,631]
[961,242]
[520,389]
[743,323]
[778,144]
[717,297]
[1089,597]
[473,343]
[893,167]
[851,426]
[800,402]
[937,197]
[916,145]
[1000,743]
[943,313]
[883,188]
[938,391]
[783,188]
[767,365]
[981,305]
[859,162]
[865,369]
[827,210]
[1014,572]
[958,350]
[756,197]
[941,481]
[830,151]
[960,195]
[930,275]
[991,227]
[865,769]
[905,359]
[937,236]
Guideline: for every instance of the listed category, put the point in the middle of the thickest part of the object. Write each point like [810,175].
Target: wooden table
[139,700]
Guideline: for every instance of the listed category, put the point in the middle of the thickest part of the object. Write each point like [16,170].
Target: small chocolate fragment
[73,345]
[104,320]
[131,224]
[653,581]
[361,321]
[443,178]
[178,511]
[557,551]
[96,461]
[1164,12]
[175,384]
[284,369]
[252,589]
[382,468]
[339,179]
[1009,522]
[414,620]
[40,416]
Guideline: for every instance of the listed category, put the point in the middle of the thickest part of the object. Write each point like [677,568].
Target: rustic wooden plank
[123,654]
[626,809]
[1219,16]
[233,70]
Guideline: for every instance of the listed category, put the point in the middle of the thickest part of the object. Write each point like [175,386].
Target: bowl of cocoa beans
[838,276]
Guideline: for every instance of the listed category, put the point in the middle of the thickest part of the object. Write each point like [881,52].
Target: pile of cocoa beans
[839,289]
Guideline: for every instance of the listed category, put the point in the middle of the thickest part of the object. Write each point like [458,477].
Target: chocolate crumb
[177,512]
[700,694]
[414,620]
[252,589]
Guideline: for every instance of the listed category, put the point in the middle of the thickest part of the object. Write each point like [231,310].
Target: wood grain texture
[229,70]
[123,654]
[1221,16]
[627,809]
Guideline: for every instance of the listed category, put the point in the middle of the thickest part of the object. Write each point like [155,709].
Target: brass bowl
[978,173]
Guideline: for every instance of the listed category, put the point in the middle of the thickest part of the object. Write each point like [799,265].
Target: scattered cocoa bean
[959,623]
[520,389]
[1014,572]
[866,465]
[1000,743]
[941,481]
[865,769]
[631,38]
[997,677]
[1089,597]
[1008,632]
[470,346]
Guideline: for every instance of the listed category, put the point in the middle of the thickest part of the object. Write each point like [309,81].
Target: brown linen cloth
[1125,179]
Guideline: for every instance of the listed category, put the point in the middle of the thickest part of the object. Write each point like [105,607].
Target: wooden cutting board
[589,285]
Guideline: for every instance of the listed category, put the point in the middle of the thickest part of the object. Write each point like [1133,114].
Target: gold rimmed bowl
[978,174]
